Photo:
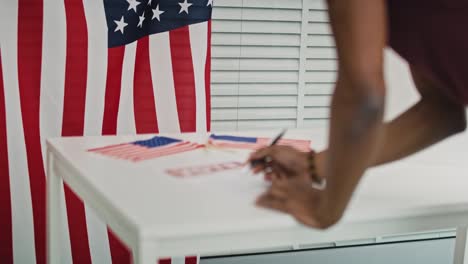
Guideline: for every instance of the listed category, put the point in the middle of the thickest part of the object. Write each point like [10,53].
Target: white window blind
[273,64]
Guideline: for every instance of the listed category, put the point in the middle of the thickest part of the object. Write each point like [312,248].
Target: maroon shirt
[432,35]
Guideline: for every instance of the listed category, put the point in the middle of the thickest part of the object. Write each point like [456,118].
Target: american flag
[254,143]
[90,67]
[147,149]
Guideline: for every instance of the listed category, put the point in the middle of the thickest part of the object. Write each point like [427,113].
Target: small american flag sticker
[254,143]
[147,149]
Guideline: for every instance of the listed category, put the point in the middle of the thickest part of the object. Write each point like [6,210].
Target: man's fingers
[258,169]
[291,187]
[278,192]
[279,170]
[259,154]
[276,152]
[268,201]
[266,159]
[280,180]
[272,152]
[269,169]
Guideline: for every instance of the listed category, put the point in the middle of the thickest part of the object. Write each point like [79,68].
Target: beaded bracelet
[317,182]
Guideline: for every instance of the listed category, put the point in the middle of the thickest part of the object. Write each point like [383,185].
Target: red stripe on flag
[75,69]
[143,95]
[107,147]
[77,227]
[184,80]
[129,150]
[30,24]
[73,118]
[115,56]
[138,153]
[6,239]
[115,59]
[208,79]
[120,254]
[169,152]
[191,260]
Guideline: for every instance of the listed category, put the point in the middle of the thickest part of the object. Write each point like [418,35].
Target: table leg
[461,246]
[53,212]
[144,253]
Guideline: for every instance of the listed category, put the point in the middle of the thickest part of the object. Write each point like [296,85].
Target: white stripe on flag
[126,116]
[144,151]
[199,45]
[178,260]
[97,236]
[129,150]
[138,153]
[21,207]
[163,83]
[119,150]
[226,144]
[109,148]
[97,66]
[176,150]
[52,94]
[302,145]
[181,260]
[54,50]
[94,112]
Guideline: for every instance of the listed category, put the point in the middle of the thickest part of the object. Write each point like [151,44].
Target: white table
[157,215]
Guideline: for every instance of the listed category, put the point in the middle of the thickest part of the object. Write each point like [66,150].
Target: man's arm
[360,30]
[434,118]
[431,120]
[358,138]
[359,27]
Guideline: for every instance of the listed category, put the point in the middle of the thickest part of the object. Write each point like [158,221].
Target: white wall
[273,64]
[401,92]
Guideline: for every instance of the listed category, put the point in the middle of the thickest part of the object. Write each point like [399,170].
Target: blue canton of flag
[130,20]
[156,142]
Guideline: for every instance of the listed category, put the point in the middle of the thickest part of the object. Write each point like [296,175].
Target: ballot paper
[142,150]
[253,143]
[212,168]
[206,169]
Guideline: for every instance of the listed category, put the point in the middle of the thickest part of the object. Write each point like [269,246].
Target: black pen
[264,160]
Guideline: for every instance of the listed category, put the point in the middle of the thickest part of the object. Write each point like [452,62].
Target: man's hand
[295,196]
[287,160]
[291,191]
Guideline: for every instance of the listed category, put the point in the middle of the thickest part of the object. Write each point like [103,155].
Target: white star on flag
[149,2]
[210,3]
[142,18]
[120,25]
[184,6]
[132,4]
[157,13]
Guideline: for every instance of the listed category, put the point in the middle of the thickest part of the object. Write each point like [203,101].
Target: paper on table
[200,170]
